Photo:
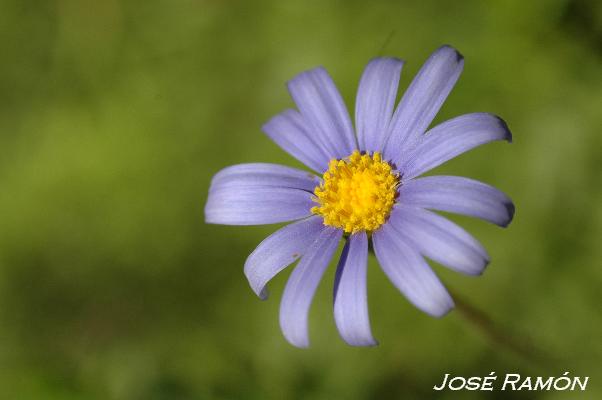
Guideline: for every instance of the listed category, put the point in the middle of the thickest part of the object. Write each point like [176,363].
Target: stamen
[357,193]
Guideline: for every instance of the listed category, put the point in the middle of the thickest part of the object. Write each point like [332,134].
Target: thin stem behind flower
[493,332]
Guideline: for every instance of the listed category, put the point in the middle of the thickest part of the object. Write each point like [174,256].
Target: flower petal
[279,250]
[263,174]
[323,110]
[256,205]
[408,271]
[451,138]
[302,285]
[374,102]
[440,239]
[459,195]
[289,131]
[423,99]
[350,299]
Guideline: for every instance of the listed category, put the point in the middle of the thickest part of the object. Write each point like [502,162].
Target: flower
[367,190]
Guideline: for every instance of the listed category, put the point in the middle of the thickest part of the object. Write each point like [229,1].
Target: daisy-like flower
[366,189]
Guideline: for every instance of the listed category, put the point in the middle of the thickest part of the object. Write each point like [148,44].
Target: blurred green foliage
[115,115]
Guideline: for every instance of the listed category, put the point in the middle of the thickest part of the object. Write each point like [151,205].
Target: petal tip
[363,343]
[208,216]
[480,269]
[446,309]
[449,305]
[300,344]
[510,209]
[260,291]
[448,48]
[304,74]
[507,134]
[263,294]
[265,128]
[486,262]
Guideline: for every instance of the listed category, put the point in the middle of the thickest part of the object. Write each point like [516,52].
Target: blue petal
[302,285]
[350,298]
[324,112]
[451,138]
[256,205]
[262,174]
[279,250]
[375,101]
[290,132]
[458,195]
[439,239]
[422,100]
[410,274]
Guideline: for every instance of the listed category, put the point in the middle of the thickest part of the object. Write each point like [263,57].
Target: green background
[115,115]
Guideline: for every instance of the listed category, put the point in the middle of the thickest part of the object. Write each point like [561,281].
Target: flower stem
[495,334]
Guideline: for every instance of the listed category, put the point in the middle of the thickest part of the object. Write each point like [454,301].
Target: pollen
[357,193]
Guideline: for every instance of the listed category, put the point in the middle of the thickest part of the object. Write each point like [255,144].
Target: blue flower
[366,189]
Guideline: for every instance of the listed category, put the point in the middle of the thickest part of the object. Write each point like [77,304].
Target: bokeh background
[115,115]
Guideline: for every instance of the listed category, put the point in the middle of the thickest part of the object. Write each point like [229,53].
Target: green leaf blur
[115,115]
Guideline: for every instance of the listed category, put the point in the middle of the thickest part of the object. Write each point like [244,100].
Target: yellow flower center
[357,194]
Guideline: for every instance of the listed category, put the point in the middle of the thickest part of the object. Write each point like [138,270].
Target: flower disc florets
[357,193]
